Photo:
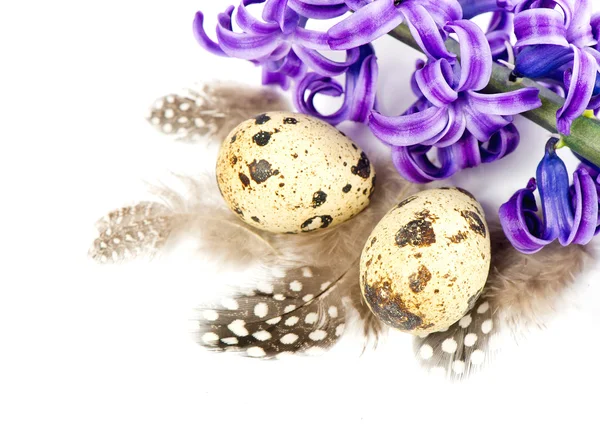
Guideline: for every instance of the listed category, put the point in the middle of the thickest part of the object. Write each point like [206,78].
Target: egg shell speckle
[290,173]
[427,261]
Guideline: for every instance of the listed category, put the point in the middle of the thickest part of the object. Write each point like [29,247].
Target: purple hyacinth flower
[270,43]
[450,105]
[569,214]
[557,45]
[359,91]
[424,18]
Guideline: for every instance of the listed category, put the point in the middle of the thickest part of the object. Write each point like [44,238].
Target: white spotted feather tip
[212,110]
[523,291]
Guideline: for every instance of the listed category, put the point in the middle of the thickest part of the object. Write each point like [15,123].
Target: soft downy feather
[522,292]
[212,110]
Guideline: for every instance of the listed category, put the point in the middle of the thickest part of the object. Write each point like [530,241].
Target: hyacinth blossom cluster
[453,124]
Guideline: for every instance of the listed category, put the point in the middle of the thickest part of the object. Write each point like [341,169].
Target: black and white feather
[300,311]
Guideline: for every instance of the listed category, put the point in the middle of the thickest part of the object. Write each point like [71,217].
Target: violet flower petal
[408,129]
[472,8]
[425,31]
[323,65]
[413,164]
[475,55]
[520,222]
[311,39]
[316,84]
[580,90]
[585,204]
[454,130]
[290,66]
[320,12]
[502,143]
[364,92]
[553,181]
[365,25]
[203,39]
[275,78]
[433,81]
[444,11]
[481,125]
[241,45]
[250,24]
[540,26]
[579,32]
[541,60]
[506,103]
[278,11]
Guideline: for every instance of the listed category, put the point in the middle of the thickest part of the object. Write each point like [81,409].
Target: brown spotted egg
[291,173]
[427,261]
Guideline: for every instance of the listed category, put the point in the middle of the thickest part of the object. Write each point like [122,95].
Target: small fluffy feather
[521,292]
[211,111]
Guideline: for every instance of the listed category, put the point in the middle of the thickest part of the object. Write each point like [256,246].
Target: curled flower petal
[359,93]
[519,220]
[316,84]
[203,39]
[507,103]
[425,31]
[502,143]
[580,89]
[242,45]
[540,26]
[585,204]
[365,25]
[408,129]
[433,81]
[413,164]
[475,55]
[324,65]
[250,24]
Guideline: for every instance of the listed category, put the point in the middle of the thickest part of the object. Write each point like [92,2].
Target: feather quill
[211,111]
[522,292]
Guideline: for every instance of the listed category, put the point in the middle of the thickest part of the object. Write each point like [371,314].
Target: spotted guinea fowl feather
[521,292]
[300,311]
[212,110]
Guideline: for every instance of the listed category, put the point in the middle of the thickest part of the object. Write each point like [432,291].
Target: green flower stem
[585,132]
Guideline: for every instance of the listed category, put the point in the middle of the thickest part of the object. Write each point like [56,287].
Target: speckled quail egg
[427,261]
[290,173]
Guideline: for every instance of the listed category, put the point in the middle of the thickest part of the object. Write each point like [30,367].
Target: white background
[92,352]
